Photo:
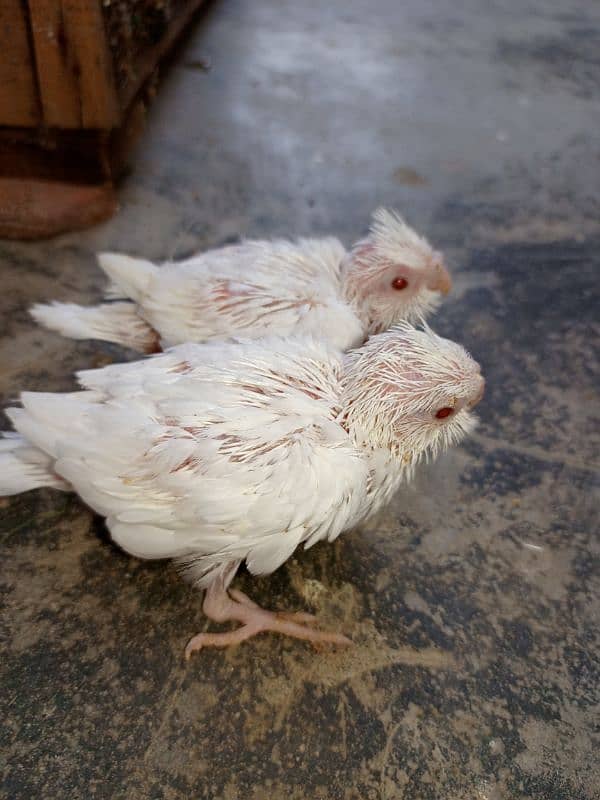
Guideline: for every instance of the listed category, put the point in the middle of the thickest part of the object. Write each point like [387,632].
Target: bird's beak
[441,282]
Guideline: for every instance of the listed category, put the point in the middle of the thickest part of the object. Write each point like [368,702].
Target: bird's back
[223,450]
[253,289]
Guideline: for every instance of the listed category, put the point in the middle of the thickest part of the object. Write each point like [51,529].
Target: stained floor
[473,600]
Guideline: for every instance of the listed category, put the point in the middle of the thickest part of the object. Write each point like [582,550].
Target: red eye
[442,413]
[399,284]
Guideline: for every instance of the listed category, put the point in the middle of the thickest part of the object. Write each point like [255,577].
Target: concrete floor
[473,599]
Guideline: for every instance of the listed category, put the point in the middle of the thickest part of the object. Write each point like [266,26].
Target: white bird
[228,452]
[264,288]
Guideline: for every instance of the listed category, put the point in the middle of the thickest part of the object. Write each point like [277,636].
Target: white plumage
[263,288]
[214,454]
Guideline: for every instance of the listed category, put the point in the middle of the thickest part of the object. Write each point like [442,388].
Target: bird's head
[393,274]
[411,392]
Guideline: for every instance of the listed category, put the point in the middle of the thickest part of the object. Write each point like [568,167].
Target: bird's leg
[221,605]
[294,616]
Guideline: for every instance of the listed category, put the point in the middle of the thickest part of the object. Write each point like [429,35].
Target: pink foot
[223,606]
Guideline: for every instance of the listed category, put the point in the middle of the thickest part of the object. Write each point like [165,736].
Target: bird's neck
[388,469]
[386,474]
[369,423]
[379,447]
[350,270]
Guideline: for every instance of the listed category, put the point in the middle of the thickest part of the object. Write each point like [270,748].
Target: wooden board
[70,155]
[60,180]
[33,209]
[18,93]
[72,129]
[149,59]
[74,68]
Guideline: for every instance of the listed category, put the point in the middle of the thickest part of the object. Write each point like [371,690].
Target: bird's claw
[234,605]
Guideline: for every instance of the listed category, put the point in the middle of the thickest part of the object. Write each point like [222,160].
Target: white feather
[23,467]
[110,322]
[257,289]
[217,453]
[130,277]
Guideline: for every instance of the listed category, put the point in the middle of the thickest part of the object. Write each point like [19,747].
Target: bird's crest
[396,241]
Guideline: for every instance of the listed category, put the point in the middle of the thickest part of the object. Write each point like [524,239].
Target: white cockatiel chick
[264,288]
[215,454]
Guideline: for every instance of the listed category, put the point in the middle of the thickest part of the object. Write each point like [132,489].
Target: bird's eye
[399,284]
[444,412]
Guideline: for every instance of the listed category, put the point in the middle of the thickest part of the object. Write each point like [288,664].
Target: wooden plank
[74,156]
[18,92]
[74,66]
[84,27]
[32,209]
[147,61]
[57,78]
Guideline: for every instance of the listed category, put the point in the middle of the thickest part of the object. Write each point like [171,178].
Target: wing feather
[255,289]
[213,453]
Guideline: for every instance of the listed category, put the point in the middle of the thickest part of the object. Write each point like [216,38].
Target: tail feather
[45,416]
[130,276]
[109,322]
[24,467]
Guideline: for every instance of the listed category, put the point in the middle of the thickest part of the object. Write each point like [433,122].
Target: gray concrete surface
[473,600]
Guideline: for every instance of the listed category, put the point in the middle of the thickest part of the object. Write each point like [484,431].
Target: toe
[242,597]
[194,644]
[298,616]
